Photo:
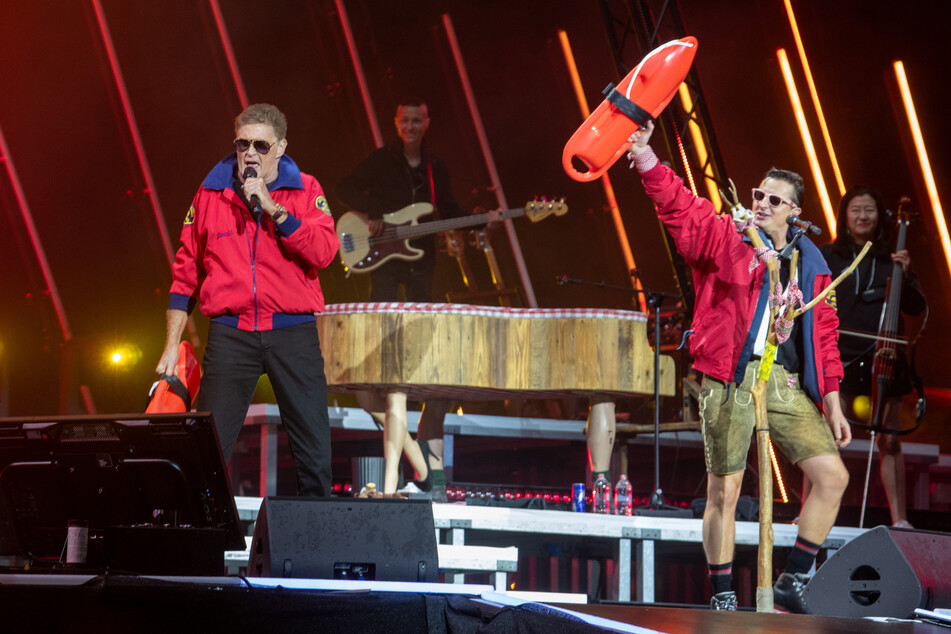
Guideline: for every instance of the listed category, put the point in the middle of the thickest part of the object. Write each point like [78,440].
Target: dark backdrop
[71,145]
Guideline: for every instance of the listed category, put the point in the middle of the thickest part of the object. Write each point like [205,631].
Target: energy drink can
[577,497]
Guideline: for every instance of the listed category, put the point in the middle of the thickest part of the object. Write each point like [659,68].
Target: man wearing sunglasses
[253,240]
[729,329]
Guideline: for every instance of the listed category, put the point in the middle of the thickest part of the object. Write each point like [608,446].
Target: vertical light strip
[358,70]
[489,160]
[779,475]
[7,160]
[134,131]
[686,162]
[41,259]
[139,147]
[699,145]
[229,53]
[815,97]
[923,159]
[605,179]
[807,140]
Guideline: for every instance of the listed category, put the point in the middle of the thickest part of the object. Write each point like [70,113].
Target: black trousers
[415,275]
[235,360]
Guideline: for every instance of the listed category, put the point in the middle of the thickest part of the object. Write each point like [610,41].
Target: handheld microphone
[794,221]
[250,172]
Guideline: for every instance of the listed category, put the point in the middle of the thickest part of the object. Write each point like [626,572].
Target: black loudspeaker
[345,538]
[884,572]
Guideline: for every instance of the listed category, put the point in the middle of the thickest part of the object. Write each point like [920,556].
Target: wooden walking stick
[787,304]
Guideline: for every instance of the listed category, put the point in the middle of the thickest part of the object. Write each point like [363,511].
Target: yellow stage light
[124,356]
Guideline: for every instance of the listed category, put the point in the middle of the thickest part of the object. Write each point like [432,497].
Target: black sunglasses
[261,147]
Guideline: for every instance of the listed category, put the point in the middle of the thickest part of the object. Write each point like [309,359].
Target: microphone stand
[656,505]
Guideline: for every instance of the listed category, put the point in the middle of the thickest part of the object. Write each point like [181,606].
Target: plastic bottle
[622,496]
[602,495]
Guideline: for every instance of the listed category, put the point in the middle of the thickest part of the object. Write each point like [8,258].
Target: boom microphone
[250,172]
[794,221]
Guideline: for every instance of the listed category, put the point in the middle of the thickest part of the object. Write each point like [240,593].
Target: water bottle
[602,495]
[622,496]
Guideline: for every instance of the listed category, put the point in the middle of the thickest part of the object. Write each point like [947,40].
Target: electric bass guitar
[360,252]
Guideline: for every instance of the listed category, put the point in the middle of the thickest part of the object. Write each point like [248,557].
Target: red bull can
[577,497]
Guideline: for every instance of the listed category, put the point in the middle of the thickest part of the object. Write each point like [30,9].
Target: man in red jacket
[729,330]
[256,234]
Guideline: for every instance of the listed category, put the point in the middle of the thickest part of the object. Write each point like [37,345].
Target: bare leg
[892,462]
[719,516]
[600,432]
[431,429]
[829,478]
[373,405]
[394,434]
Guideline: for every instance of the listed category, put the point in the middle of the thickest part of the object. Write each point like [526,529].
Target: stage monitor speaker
[884,572]
[345,538]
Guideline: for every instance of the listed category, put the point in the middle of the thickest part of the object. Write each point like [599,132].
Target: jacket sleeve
[186,271]
[309,232]
[827,336]
[698,231]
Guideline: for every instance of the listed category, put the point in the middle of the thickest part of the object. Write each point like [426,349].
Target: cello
[887,353]
[886,348]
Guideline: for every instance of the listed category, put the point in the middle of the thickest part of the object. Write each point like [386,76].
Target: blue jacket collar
[220,176]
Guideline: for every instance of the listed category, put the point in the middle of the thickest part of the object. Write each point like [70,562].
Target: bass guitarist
[389,179]
[395,176]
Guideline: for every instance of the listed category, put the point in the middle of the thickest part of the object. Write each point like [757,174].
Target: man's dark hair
[263,113]
[790,177]
[415,102]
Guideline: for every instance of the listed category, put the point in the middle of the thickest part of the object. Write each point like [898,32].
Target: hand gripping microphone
[794,221]
[250,172]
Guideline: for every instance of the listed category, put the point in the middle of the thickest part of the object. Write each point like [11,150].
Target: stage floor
[107,603]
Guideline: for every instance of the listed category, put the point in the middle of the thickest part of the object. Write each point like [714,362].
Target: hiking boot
[787,593]
[724,601]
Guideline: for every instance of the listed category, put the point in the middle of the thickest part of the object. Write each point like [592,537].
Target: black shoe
[725,601]
[787,593]
[426,483]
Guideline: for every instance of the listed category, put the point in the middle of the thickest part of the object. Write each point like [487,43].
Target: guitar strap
[432,191]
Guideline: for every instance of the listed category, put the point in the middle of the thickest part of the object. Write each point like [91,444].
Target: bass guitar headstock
[540,209]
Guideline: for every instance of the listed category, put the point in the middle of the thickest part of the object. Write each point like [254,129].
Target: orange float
[640,97]
[175,393]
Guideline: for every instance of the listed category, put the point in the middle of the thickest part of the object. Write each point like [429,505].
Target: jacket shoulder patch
[190,216]
[830,299]
[321,204]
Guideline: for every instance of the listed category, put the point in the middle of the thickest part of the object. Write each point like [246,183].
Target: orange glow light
[700,146]
[807,140]
[779,476]
[923,159]
[605,180]
[815,97]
